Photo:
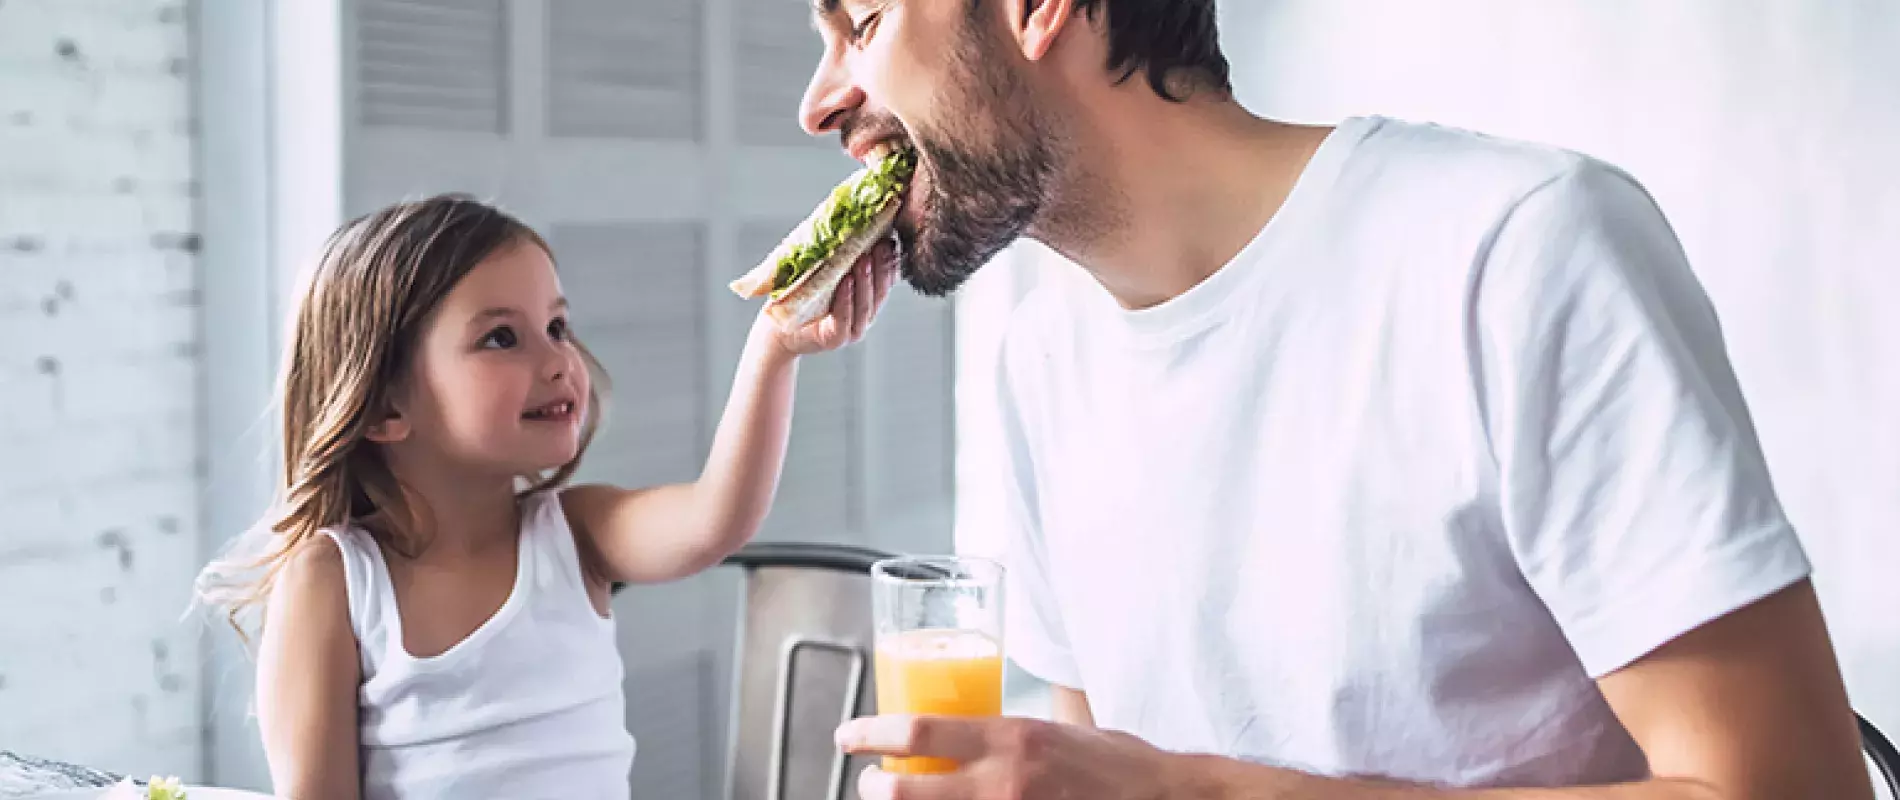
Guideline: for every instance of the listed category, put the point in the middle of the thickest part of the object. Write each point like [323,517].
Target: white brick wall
[99,372]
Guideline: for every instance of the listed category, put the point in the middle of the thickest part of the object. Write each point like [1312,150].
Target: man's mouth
[910,210]
[884,147]
[557,411]
[877,151]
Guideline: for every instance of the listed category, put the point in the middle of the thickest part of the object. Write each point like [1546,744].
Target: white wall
[99,314]
[1768,132]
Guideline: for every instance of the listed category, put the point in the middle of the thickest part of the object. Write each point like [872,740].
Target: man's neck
[1164,194]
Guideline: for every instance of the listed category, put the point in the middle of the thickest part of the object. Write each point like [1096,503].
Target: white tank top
[529,705]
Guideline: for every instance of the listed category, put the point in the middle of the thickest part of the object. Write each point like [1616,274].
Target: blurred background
[167,166]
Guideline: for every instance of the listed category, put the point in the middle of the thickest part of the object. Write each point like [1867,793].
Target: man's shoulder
[1444,167]
[1437,192]
[1437,146]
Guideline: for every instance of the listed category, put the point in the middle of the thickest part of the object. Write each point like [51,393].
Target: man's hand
[1007,758]
[1747,707]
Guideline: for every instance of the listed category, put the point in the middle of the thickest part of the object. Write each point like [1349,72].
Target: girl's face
[495,384]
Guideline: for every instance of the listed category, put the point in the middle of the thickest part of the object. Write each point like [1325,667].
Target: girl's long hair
[378,281]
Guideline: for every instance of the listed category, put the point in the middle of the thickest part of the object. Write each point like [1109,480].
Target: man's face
[942,76]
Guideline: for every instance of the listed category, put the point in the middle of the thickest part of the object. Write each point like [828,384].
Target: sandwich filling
[851,206]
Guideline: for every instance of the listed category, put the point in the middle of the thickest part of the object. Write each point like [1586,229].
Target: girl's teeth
[551,411]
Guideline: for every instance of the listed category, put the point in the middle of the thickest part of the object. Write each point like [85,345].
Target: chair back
[803,666]
[1880,751]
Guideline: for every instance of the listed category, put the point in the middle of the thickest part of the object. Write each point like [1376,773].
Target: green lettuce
[165,789]
[851,206]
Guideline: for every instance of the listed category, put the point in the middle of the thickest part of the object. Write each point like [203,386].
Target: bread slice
[758,282]
[809,299]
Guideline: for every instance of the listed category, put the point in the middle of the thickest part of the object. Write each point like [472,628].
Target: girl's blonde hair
[380,278]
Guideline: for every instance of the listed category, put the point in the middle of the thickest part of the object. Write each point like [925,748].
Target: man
[1371,462]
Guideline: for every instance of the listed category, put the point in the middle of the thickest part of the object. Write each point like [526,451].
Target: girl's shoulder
[315,575]
[538,498]
[310,624]
[354,544]
[543,508]
[336,566]
[318,554]
[559,515]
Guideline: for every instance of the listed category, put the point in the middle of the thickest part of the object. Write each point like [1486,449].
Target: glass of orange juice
[939,642]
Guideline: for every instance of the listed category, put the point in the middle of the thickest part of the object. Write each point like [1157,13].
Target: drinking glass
[939,623]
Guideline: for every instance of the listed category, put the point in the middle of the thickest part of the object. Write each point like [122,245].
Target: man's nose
[830,98]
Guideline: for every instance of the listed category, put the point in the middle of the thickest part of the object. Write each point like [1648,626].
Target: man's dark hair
[1175,42]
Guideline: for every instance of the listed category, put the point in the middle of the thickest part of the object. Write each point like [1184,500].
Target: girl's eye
[863,29]
[502,338]
[557,329]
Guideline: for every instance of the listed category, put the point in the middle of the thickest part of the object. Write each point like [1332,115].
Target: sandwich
[800,275]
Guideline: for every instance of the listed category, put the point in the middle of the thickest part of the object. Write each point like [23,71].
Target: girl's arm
[307,675]
[668,532]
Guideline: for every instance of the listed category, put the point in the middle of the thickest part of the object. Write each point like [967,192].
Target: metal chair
[803,667]
[1880,751]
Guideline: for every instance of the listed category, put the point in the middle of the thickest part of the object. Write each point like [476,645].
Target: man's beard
[977,199]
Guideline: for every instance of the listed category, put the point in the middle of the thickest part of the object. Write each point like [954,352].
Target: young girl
[434,605]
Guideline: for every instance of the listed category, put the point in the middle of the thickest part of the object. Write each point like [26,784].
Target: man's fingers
[876,784]
[957,738]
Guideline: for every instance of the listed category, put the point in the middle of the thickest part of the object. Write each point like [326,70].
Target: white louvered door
[655,144]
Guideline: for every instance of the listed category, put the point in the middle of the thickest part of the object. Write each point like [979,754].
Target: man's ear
[1040,23]
[390,428]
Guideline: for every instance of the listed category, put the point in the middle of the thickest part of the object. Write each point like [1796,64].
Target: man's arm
[1071,707]
[1749,706]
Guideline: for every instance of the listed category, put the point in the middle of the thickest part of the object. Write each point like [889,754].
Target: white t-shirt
[1454,435]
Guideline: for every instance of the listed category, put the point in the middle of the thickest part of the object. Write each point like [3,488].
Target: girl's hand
[855,305]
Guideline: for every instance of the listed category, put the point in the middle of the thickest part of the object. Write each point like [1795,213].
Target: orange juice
[940,673]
